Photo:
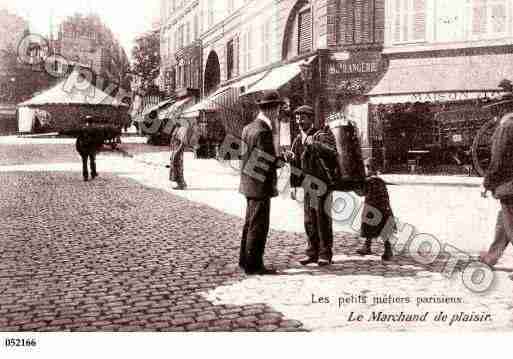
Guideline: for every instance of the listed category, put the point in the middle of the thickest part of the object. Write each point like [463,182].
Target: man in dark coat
[259,183]
[314,153]
[89,141]
[499,175]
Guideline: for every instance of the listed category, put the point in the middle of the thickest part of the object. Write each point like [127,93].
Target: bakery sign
[356,64]
[353,68]
[355,73]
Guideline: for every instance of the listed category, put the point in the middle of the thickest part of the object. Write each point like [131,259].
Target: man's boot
[366,248]
[387,256]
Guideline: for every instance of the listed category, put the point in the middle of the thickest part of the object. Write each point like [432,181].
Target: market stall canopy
[440,77]
[69,93]
[279,77]
[224,98]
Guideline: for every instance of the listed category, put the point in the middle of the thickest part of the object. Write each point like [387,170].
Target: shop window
[305,31]
[408,21]
[229,60]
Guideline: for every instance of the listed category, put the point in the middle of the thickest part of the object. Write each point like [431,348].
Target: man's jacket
[258,172]
[89,138]
[318,159]
[500,169]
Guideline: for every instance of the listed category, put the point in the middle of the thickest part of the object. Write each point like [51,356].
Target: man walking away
[89,141]
[499,180]
[259,183]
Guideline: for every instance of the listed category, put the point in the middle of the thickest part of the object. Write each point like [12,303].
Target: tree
[146,59]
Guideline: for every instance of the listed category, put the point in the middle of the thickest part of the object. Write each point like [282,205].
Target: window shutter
[268,41]
[229,59]
[498,13]
[363,20]
[479,17]
[305,32]
[419,20]
[262,44]
[249,54]
[236,69]
[395,16]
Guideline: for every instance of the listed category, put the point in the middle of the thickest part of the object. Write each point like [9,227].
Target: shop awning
[156,107]
[279,77]
[174,110]
[442,78]
[224,98]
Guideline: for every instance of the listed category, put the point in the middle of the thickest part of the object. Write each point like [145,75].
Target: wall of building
[87,41]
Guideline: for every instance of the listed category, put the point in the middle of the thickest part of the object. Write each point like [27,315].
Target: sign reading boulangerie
[357,64]
[355,74]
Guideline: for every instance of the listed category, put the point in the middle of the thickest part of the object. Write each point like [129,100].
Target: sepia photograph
[320,167]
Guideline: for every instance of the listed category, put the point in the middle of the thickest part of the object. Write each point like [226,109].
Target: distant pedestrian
[182,136]
[499,180]
[259,183]
[89,141]
[176,152]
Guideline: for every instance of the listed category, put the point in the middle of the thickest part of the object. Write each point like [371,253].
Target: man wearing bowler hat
[259,182]
[314,153]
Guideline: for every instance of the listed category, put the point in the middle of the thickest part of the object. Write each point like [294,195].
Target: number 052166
[19,342]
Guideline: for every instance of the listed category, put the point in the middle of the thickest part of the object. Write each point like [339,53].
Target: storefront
[426,111]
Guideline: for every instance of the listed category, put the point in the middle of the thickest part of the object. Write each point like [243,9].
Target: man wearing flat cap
[314,153]
[259,182]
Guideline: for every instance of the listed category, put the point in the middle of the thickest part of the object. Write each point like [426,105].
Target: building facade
[445,60]
[86,41]
[398,68]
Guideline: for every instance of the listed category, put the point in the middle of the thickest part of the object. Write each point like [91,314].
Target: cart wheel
[482,147]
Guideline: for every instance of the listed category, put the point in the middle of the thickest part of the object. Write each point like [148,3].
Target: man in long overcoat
[258,183]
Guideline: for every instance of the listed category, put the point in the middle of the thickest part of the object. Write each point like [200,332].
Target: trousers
[91,156]
[503,231]
[254,234]
[318,226]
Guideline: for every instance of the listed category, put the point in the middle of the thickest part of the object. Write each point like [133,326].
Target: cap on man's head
[270,98]
[305,109]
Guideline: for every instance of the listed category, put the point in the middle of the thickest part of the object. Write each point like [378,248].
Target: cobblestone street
[116,255]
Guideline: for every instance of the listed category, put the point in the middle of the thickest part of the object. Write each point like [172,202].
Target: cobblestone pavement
[113,254]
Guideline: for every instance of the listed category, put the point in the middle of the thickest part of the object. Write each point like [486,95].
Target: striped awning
[279,77]
[224,99]
[156,107]
[175,109]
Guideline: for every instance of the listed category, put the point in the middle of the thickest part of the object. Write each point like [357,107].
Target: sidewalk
[450,208]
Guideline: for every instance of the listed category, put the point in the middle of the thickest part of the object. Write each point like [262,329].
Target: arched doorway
[212,73]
